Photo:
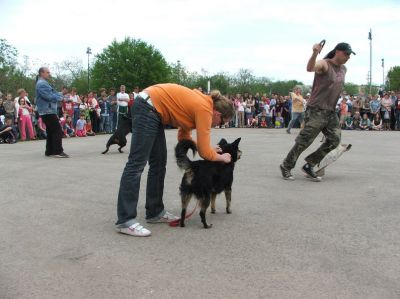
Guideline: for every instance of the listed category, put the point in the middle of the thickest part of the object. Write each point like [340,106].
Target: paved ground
[336,239]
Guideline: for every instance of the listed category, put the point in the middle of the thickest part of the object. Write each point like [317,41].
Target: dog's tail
[181,150]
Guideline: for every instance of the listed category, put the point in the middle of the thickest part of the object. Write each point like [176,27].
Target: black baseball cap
[344,47]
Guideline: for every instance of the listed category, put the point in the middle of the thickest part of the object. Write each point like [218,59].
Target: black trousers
[54,134]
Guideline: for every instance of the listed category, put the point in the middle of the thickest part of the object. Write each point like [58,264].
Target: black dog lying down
[205,179]
[119,136]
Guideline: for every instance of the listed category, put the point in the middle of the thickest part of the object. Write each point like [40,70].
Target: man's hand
[218,149]
[317,48]
[226,158]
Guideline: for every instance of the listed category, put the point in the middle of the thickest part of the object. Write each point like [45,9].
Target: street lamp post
[370,59]
[383,72]
[88,52]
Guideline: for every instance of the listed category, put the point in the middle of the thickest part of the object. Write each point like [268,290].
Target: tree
[131,62]
[394,78]
[351,88]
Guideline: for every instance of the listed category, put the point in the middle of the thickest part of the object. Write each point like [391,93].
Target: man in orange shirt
[155,107]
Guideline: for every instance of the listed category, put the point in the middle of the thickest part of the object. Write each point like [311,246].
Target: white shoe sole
[127,231]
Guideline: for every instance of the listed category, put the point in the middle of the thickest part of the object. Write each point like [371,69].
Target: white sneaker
[135,229]
[167,217]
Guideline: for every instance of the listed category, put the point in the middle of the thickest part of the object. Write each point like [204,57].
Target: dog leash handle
[322,44]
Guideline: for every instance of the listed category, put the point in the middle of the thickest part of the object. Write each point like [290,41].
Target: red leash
[175,223]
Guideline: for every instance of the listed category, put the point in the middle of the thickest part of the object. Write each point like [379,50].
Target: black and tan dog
[119,136]
[205,179]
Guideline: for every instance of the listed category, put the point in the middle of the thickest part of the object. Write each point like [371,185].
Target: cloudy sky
[272,38]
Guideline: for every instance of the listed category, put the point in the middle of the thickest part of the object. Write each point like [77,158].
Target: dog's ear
[222,142]
[236,142]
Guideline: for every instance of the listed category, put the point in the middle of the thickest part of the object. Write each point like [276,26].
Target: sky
[271,38]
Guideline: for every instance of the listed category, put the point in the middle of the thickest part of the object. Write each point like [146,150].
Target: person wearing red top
[25,120]
[155,107]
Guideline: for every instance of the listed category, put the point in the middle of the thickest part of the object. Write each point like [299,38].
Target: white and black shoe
[309,171]
[286,173]
[62,155]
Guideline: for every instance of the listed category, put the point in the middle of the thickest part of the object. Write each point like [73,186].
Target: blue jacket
[105,106]
[46,97]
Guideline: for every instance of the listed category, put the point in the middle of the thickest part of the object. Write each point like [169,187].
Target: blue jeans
[295,116]
[113,121]
[147,145]
[105,124]
[77,114]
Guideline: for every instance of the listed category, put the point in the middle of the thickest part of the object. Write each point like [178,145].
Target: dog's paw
[228,211]
[212,211]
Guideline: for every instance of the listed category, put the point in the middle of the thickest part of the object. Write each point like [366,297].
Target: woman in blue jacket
[46,102]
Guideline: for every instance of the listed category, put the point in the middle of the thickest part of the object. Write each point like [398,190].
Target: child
[279,122]
[68,106]
[81,126]
[68,127]
[25,120]
[348,122]
[343,112]
[89,130]
[377,123]
[262,119]
[6,131]
[365,123]
[356,121]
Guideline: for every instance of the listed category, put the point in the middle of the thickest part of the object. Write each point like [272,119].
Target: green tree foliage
[394,78]
[130,62]
[351,88]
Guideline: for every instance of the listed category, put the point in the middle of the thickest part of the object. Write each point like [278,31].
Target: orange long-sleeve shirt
[186,109]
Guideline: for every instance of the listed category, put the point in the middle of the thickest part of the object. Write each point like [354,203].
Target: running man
[320,115]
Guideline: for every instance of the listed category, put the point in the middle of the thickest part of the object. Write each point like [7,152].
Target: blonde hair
[222,104]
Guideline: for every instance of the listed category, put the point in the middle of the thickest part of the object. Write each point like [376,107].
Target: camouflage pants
[316,121]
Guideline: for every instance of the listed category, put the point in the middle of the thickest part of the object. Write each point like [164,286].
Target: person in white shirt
[122,100]
[21,94]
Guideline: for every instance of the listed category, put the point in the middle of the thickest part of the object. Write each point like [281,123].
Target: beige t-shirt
[297,102]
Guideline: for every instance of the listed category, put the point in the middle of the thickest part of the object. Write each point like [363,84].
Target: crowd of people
[91,114]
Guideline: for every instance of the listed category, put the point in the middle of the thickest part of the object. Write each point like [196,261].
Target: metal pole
[383,72]
[88,52]
[370,60]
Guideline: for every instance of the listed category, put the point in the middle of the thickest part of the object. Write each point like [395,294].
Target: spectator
[262,119]
[236,104]
[46,100]
[84,108]
[75,103]
[112,99]
[348,122]
[6,131]
[386,110]
[2,108]
[241,108]
[93,112]
[9,106]
[297,108]
[122,100]
[249,109]
[68,105]
[397,111]
[343,109]
[105,107]
[357,105]
[376,124]
[81,126]
[21,94]
[375,106]
[136,91]
[356,121]
[25,121]
[65,98]
[365,123]
[68,127]
[279,121]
